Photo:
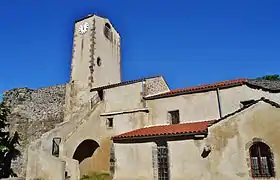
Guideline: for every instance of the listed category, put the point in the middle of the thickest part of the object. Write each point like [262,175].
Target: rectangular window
[100,95]
[55,146]
[174,117]
[109,122]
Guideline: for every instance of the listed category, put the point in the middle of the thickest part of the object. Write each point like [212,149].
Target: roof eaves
[188,91]
[166,135]
[270,102]
[121,83]
[197,127]
[246,107]
[255,86]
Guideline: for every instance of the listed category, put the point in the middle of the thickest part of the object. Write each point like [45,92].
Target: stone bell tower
[96,53]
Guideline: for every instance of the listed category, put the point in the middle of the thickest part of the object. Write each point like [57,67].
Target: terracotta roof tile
[205,87]
[174,129]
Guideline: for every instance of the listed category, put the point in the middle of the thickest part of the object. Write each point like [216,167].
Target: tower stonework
[96,53]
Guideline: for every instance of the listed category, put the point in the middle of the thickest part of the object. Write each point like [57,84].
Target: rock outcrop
[33,112]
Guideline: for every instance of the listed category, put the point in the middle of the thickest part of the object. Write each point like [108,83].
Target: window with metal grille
[261,160]
[112,160]
[55,146]
[155,161]
[162,160]
[174,117]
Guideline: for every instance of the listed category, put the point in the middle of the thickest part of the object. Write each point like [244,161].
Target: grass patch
[97,176]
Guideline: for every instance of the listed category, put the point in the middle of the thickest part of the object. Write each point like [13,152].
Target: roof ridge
[162,125]
[264,85]
[202,87]
[219,82]
[266,100]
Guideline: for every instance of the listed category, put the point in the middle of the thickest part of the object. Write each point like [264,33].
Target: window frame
[110,122]
[257,151]
[170,116]
[163,162]
[55,146]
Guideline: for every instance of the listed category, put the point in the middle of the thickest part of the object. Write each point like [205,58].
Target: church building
[143,130]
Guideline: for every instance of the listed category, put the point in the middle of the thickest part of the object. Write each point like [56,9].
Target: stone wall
[33,112]
[156,85]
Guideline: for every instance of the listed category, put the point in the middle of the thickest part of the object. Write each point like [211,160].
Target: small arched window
[262,164]
[108,25]
[108,31]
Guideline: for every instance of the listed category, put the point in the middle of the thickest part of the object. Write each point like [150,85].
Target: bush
[8,142]
[96,176]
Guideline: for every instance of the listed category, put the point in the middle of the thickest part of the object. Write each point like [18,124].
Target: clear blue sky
[189,42]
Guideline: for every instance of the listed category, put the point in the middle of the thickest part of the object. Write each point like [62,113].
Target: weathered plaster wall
[44,166]
[33,112]
[129,97]
[80,113]
[204,106]
[128,122]
[185,159]
[91,45]
[230,98]
[125,97]
[230,141]
[134,161]
[109,52]
[77,101]
[192,107]
[95,128]
[90,128]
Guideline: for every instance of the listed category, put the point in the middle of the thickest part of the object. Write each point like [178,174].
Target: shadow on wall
[85,150]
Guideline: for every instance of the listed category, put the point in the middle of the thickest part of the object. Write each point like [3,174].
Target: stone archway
[85,150]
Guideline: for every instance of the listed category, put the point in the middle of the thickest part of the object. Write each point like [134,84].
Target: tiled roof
[201,88]
[266,85]
[184,129]
[167,130]
[122,83]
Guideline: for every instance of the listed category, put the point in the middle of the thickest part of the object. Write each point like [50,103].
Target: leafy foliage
[274,77]
[96,176]
[8,151]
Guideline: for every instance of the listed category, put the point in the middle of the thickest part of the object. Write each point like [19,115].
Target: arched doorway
[85,150]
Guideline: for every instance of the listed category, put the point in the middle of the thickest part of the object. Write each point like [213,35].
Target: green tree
[273,77]
[8,151]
